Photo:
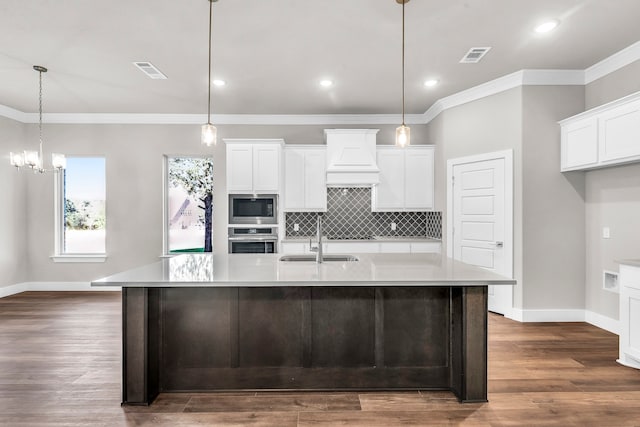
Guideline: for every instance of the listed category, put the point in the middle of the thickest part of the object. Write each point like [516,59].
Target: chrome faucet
[318,249]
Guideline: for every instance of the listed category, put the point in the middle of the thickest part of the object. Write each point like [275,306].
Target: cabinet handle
[497,244]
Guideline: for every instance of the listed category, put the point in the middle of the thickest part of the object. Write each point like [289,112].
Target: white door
[481,219]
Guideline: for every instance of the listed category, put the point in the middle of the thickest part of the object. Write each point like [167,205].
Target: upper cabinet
[305,187]
[254,165]
[604,136]
[406,179]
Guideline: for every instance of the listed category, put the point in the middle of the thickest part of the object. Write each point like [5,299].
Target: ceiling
[272,53]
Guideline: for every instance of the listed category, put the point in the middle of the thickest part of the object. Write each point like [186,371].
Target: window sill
[80,258]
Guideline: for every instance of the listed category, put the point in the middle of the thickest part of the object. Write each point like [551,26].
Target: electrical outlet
[296,227]
[606,233]
[393,226]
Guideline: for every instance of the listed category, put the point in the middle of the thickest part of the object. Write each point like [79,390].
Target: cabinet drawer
[630,276]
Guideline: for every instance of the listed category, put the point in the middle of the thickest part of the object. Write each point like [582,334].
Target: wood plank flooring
[60,366]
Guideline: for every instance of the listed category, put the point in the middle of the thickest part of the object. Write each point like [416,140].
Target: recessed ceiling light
[218,82]
[431,83]
[547,26]
[326,83]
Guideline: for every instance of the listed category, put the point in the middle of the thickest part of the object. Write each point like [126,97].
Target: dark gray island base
[186,339]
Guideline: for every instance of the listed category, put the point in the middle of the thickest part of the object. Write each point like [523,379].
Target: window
[189,204]
[81,220]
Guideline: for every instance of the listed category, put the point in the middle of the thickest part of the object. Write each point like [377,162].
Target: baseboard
[603,322]
[595,319]
[568,315]
[53,286]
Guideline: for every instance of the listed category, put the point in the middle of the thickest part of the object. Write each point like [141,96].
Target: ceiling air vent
[150,70]
[474,55]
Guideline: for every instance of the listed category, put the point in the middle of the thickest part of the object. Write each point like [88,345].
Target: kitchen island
[202,322]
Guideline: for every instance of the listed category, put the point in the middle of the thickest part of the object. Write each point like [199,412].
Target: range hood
[351,157]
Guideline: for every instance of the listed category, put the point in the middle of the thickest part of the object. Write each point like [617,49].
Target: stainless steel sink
[325,258]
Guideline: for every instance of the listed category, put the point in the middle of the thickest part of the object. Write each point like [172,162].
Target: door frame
[507,156]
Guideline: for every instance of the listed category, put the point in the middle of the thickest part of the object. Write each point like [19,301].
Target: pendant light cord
[40,112]
[209,80]
[403,62]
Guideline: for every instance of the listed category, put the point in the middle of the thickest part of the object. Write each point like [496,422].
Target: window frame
[58,196]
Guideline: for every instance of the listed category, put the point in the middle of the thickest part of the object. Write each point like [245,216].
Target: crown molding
[504,83]
[13,114]
[613,63]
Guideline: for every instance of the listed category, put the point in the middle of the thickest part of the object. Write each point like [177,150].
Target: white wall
[13,224]
[134,161]
[548,206]
[553,204]
[612,200]
[490,124]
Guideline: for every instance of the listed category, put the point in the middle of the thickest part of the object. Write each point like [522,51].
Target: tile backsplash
[349,216]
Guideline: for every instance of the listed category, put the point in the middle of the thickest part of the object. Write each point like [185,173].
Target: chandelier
[31,158]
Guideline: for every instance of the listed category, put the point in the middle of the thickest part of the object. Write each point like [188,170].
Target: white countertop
[254,270]
[631,262]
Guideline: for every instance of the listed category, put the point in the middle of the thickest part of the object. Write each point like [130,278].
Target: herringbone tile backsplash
[349,216]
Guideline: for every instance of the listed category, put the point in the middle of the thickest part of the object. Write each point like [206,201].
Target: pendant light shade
[209,134]
[403,133]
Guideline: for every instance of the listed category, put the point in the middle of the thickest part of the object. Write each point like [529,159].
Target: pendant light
[32,158]
[209,131]
[403,132]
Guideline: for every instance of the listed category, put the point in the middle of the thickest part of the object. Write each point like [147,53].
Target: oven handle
[254,239]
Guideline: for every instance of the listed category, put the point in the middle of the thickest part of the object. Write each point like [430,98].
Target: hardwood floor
[60,366]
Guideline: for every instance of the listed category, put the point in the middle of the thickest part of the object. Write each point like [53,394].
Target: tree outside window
[189,204]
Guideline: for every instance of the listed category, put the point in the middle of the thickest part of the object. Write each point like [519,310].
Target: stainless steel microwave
[253,208]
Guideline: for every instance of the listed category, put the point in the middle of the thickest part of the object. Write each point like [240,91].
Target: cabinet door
[348,248]
[425,247]
[294,180]
[389,193]
[239,168]
[266,168]
[418,191]
[315,180]
[579,142]
[395,247]
[619,131]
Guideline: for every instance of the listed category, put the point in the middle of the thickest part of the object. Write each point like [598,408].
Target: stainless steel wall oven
[253,240]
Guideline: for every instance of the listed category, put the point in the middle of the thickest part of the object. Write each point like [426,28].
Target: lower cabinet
[630,315]
[365,247]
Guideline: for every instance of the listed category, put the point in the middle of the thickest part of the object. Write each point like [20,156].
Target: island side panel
[468,370]
[140,345]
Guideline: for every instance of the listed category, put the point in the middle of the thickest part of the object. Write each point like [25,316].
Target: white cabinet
[406,179]
[619,133]
[305,188]
[604,136]
[362,247]
[580,144]
[253,166]
[630,315]
[365,247]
